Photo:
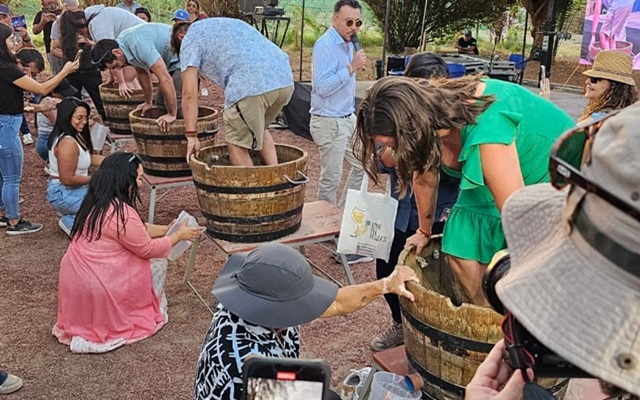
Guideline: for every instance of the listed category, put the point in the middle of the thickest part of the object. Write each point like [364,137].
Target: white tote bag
[368,223]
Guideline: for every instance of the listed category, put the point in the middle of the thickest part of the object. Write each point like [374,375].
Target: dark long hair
[5,54]
[113,184]
[411,111]
[426,65]
[70,23]
[63,126]
[178,28]
[618,96]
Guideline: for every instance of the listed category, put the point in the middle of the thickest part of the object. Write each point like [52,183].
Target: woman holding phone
[13,82]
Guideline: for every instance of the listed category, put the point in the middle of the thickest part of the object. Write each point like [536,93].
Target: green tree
[443,17]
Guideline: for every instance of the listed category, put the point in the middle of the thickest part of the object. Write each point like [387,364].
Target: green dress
[474,229]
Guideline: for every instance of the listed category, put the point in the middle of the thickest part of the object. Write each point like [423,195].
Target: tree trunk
[538,13]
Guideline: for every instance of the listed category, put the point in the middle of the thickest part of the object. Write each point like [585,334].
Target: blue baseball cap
[180,15]
[4,9]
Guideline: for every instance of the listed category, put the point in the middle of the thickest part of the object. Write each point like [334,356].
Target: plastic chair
[456,70]
[520,64]
[519,60]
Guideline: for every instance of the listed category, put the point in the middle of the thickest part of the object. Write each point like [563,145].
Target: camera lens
[497,268]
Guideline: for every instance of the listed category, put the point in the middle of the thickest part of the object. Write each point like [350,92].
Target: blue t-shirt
[235,56]
[145,44]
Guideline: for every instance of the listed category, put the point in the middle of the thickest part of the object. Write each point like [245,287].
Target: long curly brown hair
[619,95]
[411,111]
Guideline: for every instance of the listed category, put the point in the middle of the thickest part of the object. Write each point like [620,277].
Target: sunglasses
[594,80]
[571,151]
[349,22]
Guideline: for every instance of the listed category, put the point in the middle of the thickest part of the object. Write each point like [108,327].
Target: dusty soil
[163,366]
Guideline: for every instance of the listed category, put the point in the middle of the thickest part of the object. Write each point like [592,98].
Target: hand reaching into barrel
[419,240]
[164,121]
[495,380]
[193,147]
[396,282]
[144,107]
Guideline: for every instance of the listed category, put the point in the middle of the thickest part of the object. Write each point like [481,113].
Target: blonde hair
[411,111]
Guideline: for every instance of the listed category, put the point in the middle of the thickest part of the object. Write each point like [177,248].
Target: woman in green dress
[496,134]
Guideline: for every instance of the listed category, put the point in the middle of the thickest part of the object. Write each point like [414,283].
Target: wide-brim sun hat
[614,66]
[577,302]
[273,286]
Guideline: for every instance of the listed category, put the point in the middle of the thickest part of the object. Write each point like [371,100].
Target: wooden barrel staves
[165,153]
[251,204]
[445,338]
[118,108]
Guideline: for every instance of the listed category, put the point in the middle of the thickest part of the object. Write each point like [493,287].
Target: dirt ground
[163,366]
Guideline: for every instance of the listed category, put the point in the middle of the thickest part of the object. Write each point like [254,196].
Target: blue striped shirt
[333,92]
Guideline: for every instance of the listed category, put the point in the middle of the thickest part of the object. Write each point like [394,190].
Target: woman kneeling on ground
[498,135]
[112,276]
[70,156]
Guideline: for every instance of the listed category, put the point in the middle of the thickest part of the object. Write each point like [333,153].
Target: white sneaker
[27,139]
[354,383]
[64,228]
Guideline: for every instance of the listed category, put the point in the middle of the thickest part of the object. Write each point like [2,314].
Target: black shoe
[4,221]
[22,227]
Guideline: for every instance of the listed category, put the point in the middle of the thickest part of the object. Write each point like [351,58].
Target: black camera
[522,349]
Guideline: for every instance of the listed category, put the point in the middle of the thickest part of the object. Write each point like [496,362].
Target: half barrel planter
[251,204]
[118,108]
[164,153]
[445,338]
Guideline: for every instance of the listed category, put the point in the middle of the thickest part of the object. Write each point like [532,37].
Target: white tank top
[84,159]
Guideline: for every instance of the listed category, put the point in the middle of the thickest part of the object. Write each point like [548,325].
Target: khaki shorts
[246,120]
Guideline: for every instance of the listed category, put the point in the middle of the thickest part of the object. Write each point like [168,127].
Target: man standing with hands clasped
[337,57]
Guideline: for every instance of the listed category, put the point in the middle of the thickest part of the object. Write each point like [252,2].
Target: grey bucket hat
[577,289]
[273,286]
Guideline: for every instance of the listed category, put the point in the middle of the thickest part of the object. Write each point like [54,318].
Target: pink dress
[105,290]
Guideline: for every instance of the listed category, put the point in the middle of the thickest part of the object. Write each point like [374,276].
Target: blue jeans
[11,158]
[41,146]
[66,200]
[24,126]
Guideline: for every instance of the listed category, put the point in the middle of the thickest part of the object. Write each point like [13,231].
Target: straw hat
[272,286]
[575,285]
[614,66]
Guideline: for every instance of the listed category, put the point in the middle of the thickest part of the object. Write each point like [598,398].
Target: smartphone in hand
[78,55]
[285,378]
[18,21]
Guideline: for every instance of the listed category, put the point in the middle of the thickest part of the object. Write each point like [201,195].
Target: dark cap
[467,32]
[273,286]
[4,9]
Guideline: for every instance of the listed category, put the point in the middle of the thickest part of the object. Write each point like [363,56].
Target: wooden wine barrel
[445,338]
[164,153]
[118,108]
[251,204]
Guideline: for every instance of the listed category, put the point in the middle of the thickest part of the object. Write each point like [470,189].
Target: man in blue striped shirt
[334,66]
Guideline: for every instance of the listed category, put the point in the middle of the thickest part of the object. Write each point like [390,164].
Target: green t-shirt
[473,230]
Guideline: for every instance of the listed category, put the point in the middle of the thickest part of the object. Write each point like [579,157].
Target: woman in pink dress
[111,277]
